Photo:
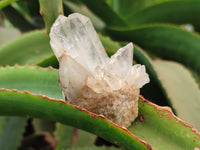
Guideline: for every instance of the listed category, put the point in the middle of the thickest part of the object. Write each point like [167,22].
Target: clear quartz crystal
[89,78]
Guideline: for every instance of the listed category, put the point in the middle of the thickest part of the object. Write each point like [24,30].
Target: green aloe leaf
[18,20]
[162,129]
[174,80]
[30,48]
[105,12]
[13,102]
[166,41]
[13,126]
[5,3]
[168,12]
[127,7]
[30,77]
[153,120]
[146,11]
[29,8]
[50,9]
[7,35]
[49,61]
[181,89]
[13,132]
[33,79]
[26,104]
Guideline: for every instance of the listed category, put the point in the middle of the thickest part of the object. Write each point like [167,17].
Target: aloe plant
[33,111]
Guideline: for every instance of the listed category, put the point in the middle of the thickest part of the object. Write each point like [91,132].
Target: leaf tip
[16,65]
[142,118]
[59,11]
[41,13]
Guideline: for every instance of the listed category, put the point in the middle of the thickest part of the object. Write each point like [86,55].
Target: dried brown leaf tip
[89,78]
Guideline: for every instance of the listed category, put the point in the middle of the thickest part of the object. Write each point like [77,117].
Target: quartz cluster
[89,78]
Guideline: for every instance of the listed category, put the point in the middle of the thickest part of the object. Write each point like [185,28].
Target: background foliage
[166,40]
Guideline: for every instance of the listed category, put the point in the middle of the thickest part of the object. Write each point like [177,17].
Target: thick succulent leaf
[29,8]
[166,41]
[50,9]
[105,12]
[7,125]
[42,77]
[33,79]
[146,11]
[168,12]
[154,120]
[181,89]
[13,132]
[30,11]
[6,3]
[7,35]
[30,48]
[162,129]
[18,20]
[49,61]
[174,80]
[13,102]
[127,7]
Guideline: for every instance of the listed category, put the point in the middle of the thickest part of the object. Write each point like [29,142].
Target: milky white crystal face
[89,78]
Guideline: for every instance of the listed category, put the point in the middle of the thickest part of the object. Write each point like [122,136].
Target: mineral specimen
[89,78]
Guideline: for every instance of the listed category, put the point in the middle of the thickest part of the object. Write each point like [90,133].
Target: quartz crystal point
[89,78]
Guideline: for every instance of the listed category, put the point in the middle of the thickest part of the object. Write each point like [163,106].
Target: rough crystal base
[121,106]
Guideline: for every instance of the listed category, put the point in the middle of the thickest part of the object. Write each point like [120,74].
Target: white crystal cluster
[89,78]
